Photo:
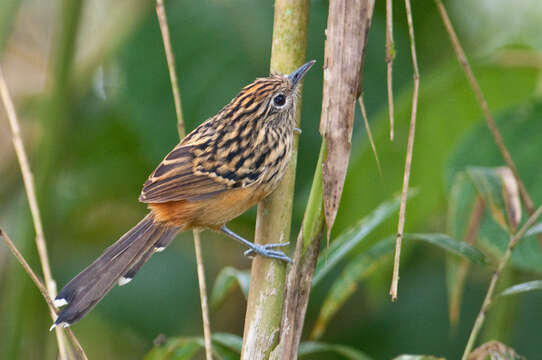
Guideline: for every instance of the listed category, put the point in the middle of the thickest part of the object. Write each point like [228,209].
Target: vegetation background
[92,91]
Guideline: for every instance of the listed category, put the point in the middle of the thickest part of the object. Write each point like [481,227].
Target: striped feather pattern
[248,142]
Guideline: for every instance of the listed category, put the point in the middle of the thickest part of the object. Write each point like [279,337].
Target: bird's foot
[267,251]
[257,249]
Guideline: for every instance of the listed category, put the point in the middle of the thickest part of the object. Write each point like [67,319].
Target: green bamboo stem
[265,297]
[313,221]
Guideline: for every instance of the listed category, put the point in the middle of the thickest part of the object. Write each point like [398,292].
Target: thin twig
[28,180]
[390,56]
[203,296]
[369,133]
[42,290]
[408,160]
[489,295]
[164,29]
[462,58]
[29,271]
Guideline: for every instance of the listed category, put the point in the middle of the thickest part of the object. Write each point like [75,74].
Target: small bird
[223,167]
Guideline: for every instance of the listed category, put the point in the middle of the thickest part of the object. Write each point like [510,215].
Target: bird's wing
[176,178]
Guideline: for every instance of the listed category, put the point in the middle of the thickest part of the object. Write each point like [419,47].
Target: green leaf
[489,186]
[348,240]
[417,357]
[225,347]
[523,287]
[450,244]
[365,263]
[183,348]
[231,341]
[311,348]
[226,281]
[461,207]
[520,128]
[458,112]
[156,353]
[346,284]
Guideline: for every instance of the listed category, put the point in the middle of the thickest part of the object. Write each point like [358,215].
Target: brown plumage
[227,164]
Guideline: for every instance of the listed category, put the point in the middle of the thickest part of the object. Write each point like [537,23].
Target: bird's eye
[279,100]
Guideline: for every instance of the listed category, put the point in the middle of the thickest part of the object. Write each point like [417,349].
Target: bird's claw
[266,251]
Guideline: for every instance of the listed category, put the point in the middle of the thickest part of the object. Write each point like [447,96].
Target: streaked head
[272,99]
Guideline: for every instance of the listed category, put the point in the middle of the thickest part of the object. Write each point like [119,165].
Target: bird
[224,166]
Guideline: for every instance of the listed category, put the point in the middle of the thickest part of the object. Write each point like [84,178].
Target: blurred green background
[92,91]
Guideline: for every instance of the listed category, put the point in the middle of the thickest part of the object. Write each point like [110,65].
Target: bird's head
[271,101]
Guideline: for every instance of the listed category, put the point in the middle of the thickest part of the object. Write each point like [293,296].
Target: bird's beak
[297,75]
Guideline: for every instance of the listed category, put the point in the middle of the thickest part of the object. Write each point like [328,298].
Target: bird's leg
[263,250]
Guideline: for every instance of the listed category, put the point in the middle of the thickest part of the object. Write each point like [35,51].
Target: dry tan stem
[346,39]
[369,133]
[164,29]
[28,180]
[203,297]
[42,289]
[462,58]
[297,294]
[408,161]
[344,46]
[489,295]
[390,56]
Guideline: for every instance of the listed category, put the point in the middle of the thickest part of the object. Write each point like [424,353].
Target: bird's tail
[118,264]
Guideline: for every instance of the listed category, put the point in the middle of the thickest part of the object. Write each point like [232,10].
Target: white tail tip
[62,324]
[159,249]
[60,302]
[124,280]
